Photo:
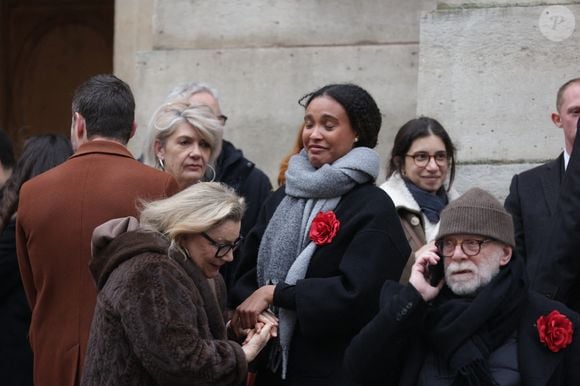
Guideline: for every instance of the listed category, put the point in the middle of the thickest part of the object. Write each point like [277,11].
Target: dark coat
[15,352]
[532,202]
[57,214]
[233,169]
[157,320]
[391,349]
[340,292]
[559,276]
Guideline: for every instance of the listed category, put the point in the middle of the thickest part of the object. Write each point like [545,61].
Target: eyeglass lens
[222,249]
[422,158]
[470,247]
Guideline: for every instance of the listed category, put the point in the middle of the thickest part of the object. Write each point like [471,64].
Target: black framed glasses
[423,158]
[222,249]
[470,247]
[222,118]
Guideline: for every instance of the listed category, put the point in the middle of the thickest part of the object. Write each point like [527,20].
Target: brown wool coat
[57,214]
[157,320]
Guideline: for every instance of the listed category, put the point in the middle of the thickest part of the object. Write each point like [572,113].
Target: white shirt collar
[566,159]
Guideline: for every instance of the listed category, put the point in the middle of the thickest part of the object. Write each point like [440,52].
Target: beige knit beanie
[477,212]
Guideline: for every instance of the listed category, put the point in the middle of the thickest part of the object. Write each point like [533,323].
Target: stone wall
[263,55]
[487,69]
[491,75]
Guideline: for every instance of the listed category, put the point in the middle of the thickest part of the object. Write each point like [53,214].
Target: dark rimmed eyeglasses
[470,247]
[222,249]
[423,158]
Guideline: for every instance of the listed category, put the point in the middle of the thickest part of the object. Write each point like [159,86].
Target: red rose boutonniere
[324,227]
[555,330]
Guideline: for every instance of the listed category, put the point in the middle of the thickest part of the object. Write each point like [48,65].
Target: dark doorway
[47,48]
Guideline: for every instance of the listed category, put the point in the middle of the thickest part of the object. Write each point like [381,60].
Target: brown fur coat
[157,320]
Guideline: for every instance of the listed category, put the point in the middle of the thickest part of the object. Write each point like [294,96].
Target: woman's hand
[419,273]
[257,339]
[268,317]
[246,314]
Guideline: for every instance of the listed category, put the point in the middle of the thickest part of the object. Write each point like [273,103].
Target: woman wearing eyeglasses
[422,162]
[160,317]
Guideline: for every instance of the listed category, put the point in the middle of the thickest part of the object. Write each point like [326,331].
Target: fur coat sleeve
[158,322]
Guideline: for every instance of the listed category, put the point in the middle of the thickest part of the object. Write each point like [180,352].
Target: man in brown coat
[57,213]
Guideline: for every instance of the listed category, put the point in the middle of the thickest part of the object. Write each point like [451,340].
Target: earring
[161,164]
[355,139]
[185,252]
[213,172]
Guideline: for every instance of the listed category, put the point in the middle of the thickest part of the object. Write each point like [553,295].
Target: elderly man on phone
[478,325]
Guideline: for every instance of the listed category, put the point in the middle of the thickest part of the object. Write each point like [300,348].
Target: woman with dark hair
[422,162]
[325,243]
[7,160]
[40,154]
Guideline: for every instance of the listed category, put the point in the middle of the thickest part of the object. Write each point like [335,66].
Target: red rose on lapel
[324,227]
[555,330]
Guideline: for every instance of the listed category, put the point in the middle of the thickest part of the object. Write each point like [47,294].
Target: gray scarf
[285,249]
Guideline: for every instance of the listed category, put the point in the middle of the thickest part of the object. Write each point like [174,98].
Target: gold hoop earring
[161,164]
[185,253]
[213,172]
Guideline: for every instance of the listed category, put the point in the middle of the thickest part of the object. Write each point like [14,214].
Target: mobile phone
[436,272]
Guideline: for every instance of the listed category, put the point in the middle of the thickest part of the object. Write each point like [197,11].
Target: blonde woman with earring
[184,141]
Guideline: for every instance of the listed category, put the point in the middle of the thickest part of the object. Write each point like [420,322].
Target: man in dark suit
[480,325]
[559,276]
[57,213]
[534,193]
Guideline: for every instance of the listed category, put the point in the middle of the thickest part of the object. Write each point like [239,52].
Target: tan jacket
[418,230]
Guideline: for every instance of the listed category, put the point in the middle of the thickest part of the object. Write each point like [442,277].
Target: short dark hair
[107,105]
[562,90]
[6,151]
[40,153]
[419,128]
[361,109]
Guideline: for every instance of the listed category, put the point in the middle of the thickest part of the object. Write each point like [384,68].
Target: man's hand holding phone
[427,273]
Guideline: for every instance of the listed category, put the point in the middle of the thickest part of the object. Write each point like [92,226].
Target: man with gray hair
[479,325]
[231,167]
